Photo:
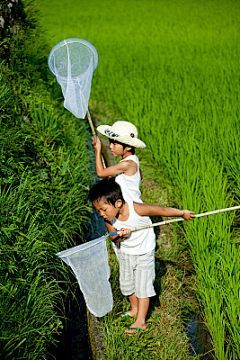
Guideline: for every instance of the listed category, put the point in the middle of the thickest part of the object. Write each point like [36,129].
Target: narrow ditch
[199,337]
[73,344]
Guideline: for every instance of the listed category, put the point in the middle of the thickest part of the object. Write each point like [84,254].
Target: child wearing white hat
[123,137]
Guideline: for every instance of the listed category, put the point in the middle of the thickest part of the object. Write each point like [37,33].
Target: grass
[172,69]
[42,212]
[44,179]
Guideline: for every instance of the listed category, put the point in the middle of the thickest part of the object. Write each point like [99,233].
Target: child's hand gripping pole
[178,219]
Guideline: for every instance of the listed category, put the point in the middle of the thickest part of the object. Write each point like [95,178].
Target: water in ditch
[199,337]
[74,343]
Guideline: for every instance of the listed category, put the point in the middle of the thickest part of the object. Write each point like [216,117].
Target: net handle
[94,134]
[181,219]
[91,124]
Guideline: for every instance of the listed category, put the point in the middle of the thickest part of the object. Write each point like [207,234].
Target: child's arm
[149,210]
[122,234]
[122,167]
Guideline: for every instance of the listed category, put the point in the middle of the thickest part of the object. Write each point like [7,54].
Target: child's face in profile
[116,148]
[106,210]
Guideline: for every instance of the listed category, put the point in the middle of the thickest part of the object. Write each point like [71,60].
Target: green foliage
[44,177]
[172,68]
[16,18]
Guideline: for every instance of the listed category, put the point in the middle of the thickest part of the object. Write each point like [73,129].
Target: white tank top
[141,241]
[130,184]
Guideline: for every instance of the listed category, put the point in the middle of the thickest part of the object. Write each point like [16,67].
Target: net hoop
[63,43]
[72,62]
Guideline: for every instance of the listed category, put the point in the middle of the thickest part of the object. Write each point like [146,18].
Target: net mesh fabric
[89,263]
[73,62]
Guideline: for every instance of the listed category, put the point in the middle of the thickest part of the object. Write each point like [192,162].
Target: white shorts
[137,274]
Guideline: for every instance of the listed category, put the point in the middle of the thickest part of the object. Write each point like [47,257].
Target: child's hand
[96,143]
[124,233]
[188,215]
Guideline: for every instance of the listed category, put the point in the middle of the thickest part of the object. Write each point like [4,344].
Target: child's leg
[134,305]
[142,309]
[143,305]
[126,279]
[137,273]
[139,307]
[144,275]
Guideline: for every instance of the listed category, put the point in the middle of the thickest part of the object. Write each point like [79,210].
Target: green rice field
[172,68]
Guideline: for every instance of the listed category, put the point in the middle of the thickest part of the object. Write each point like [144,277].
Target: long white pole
[181,219]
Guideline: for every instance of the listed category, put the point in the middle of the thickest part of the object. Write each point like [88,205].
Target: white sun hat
[123,132]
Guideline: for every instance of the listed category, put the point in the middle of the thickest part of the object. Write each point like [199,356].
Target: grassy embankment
[44,177]
[172,69]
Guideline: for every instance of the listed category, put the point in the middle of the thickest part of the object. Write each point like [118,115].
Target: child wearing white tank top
[123,137]
[137,271]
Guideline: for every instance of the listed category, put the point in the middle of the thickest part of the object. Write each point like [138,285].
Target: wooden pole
[91,124]
[94,134]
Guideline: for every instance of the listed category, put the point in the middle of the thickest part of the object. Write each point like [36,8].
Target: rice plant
[173,70]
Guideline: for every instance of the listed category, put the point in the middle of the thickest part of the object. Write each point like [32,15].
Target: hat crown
[124,128]
[123,132]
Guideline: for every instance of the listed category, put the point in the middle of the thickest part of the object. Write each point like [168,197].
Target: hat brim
[137,143]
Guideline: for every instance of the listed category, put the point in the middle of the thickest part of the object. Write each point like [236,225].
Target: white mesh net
[89,263]
[73,62]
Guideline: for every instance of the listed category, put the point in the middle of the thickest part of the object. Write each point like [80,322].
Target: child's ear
[118,203]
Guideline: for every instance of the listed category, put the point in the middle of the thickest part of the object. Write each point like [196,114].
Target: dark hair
[124,145]
[106,189]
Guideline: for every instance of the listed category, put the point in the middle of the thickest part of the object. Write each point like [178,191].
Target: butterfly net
[73,62]
[89,263]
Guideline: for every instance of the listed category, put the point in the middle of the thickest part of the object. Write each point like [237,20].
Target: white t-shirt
[130,184]
[141,241]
